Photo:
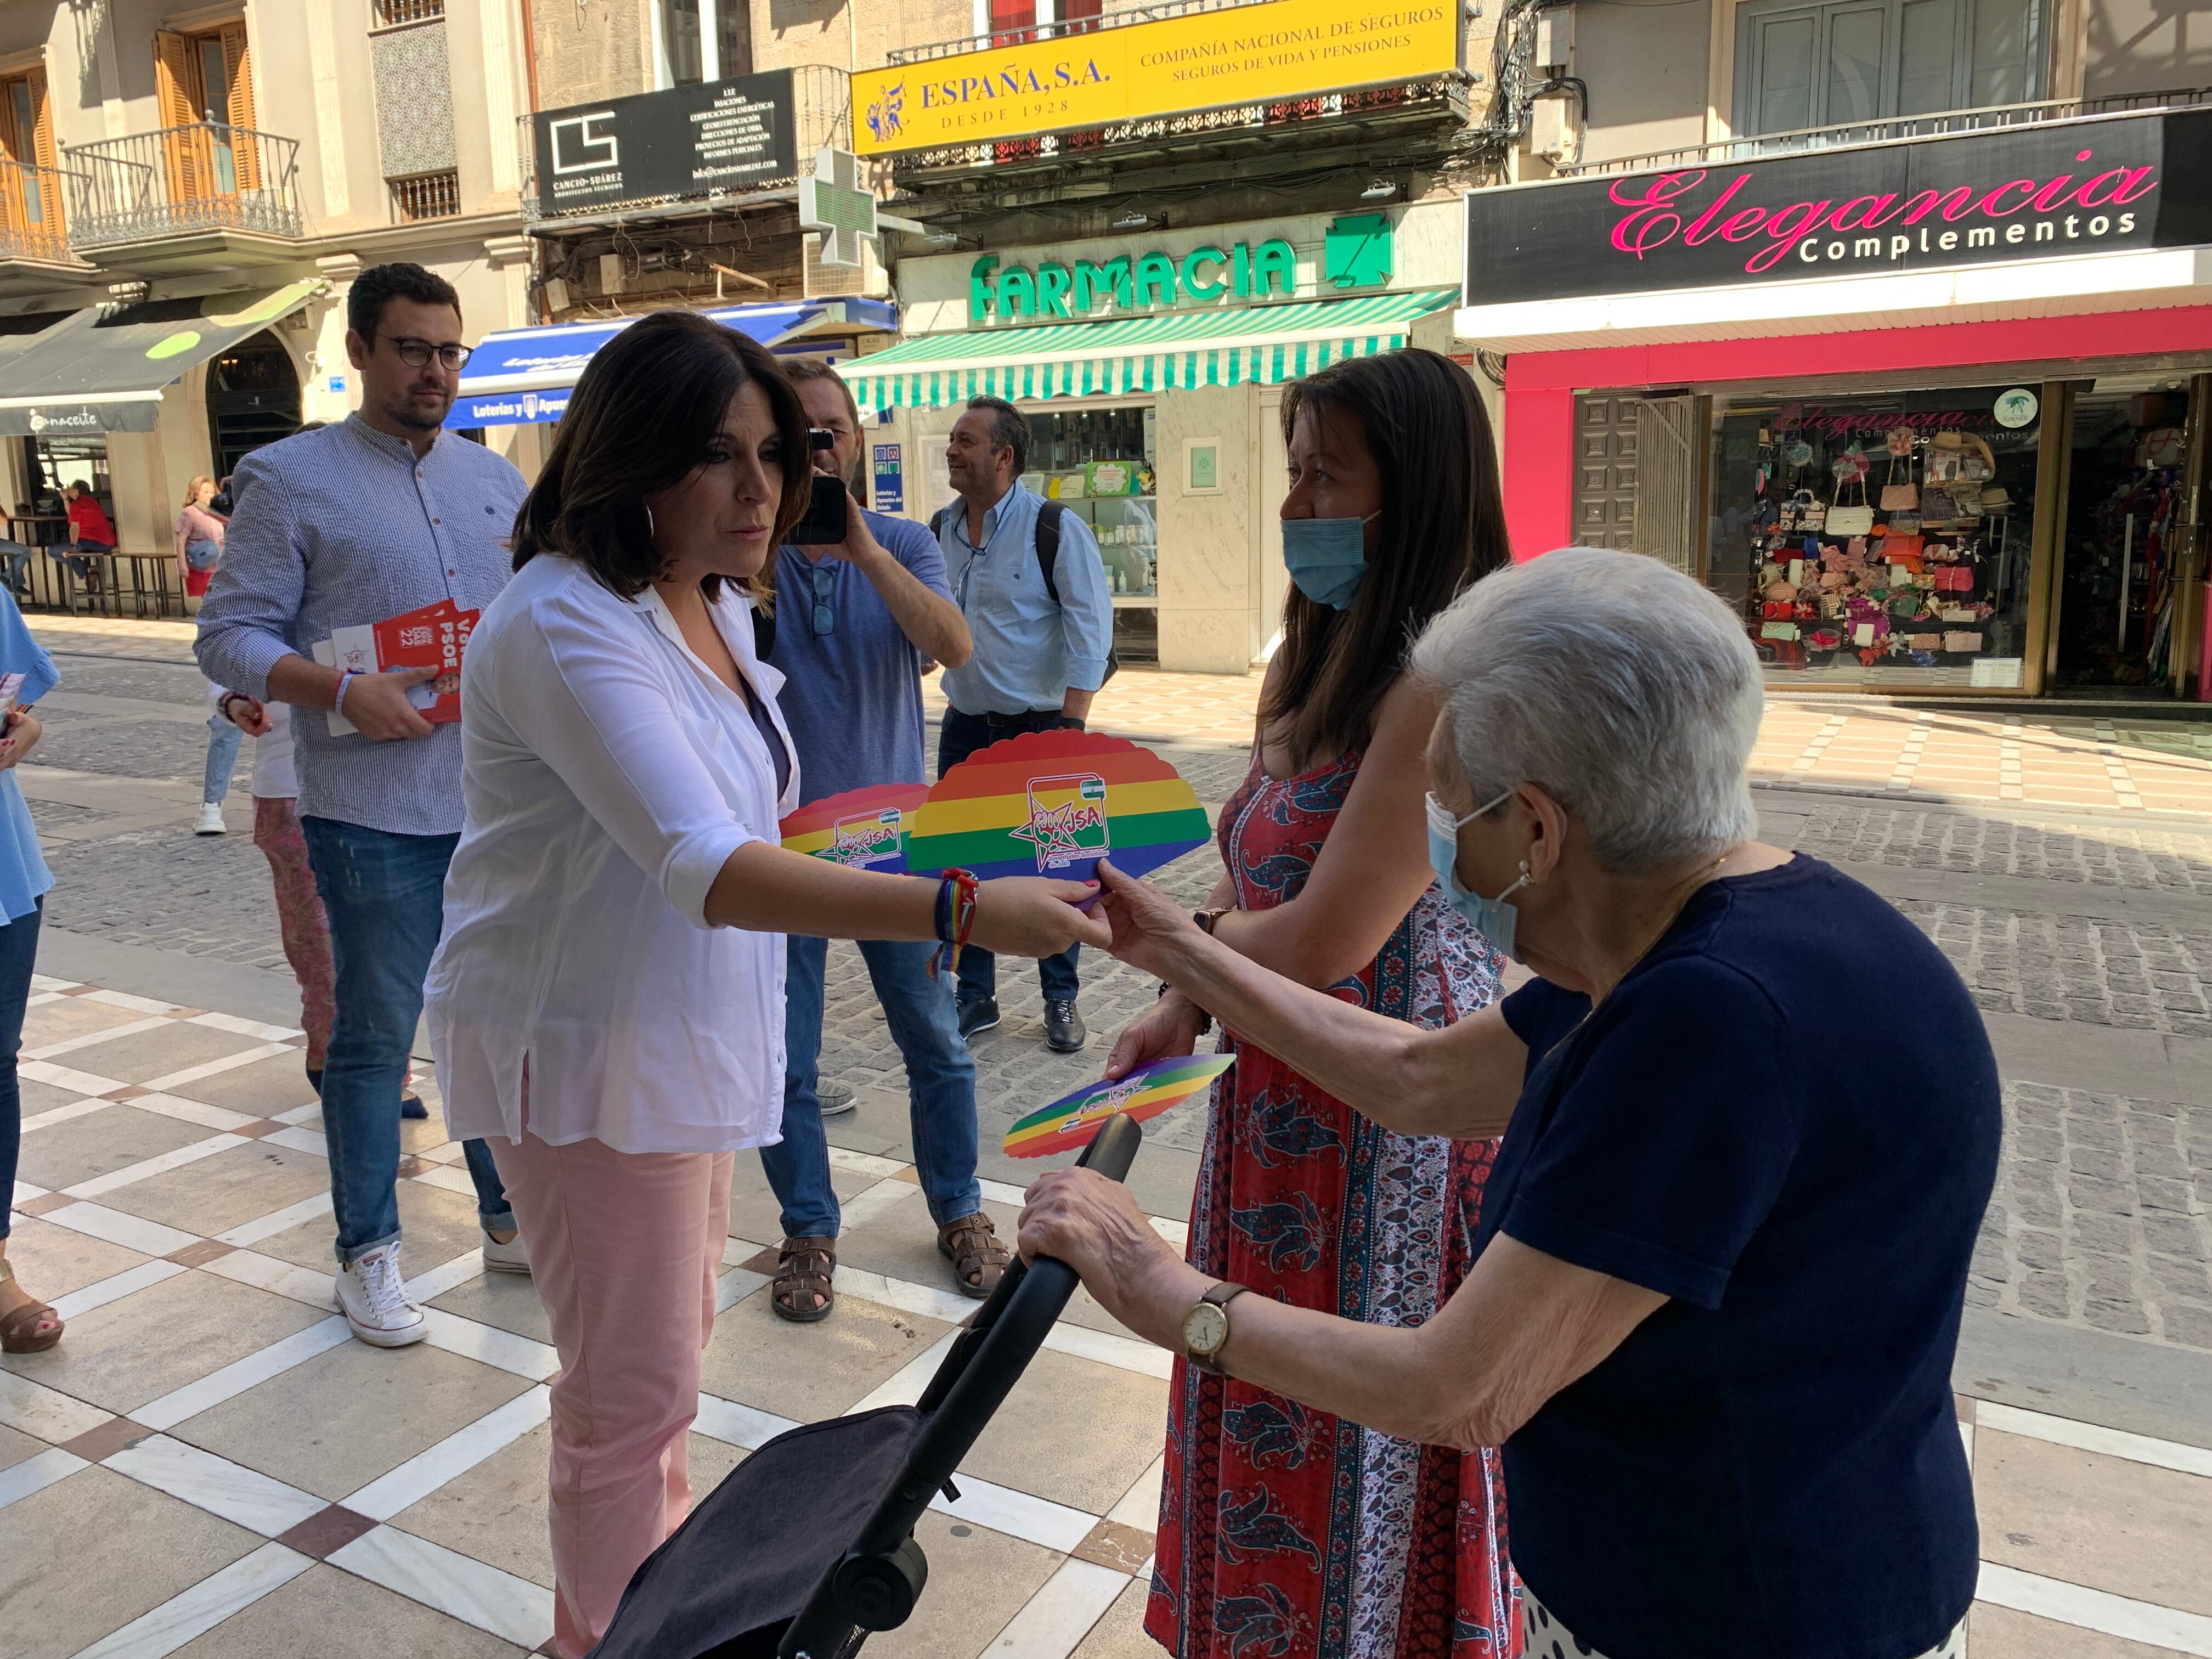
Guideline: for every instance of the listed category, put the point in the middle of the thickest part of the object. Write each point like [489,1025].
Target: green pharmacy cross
[834,201]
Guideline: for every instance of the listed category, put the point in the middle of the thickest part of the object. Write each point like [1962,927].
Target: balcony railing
[32,205]
[1986,119]
[181,181]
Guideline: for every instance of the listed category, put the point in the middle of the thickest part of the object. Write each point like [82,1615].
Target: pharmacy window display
[1101,465]
[1883,540]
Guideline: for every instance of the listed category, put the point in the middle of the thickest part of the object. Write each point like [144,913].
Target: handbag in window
[1962,642]
[1899,440]
[1938,507]
[1849,520]
[1900,496]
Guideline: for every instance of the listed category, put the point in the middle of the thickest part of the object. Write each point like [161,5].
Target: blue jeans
[961,735]
[19,565]
[385,895]
[224,740]
[19,949]
[940,1081]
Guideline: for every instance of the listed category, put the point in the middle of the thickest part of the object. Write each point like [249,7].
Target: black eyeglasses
[416,354]
[825,583]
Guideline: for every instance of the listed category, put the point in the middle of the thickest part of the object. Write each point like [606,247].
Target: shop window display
[1099,463]
[1879,541]
[2117,585]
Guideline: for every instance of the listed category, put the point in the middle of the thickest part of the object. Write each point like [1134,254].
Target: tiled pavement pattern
[2147,976]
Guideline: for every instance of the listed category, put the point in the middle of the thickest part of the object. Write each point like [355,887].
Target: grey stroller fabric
[728,1581]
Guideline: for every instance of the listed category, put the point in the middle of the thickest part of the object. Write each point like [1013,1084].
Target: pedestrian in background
[1041,647]
[200,532]
[90,532]
[380,514]
[858,618]
[27,1325]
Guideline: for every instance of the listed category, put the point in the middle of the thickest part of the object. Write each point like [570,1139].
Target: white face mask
[1492,918]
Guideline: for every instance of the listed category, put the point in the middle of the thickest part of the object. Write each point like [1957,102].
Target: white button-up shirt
[607,775]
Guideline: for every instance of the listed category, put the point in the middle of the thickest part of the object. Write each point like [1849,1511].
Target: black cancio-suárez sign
[2037,192]
[718,138]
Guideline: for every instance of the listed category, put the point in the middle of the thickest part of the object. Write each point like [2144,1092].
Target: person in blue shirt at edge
[1037,663]
[854,624]
[1718,1279]
[27,1324]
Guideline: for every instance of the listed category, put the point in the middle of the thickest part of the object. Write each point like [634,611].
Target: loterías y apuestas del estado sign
[2053,191]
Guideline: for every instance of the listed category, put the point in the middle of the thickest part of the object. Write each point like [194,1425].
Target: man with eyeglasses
[855,622]
[378,514]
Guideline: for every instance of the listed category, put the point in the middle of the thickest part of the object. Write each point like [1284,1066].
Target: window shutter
[183,144]
[238,71]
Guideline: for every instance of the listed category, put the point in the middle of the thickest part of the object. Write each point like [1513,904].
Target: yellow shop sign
[1246,54]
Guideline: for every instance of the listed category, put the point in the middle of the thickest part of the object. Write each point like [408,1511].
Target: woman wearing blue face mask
[1393,509]
[1716,1289]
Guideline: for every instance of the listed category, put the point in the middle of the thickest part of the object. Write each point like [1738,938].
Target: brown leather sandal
[972,1246]
[804,1268]
[19,1331]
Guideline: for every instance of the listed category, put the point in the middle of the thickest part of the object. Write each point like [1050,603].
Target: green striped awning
[1261,345]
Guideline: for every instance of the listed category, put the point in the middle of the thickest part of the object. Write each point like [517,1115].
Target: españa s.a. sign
[1242,55]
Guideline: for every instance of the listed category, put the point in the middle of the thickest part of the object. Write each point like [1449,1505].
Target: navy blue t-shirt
[1785,1120]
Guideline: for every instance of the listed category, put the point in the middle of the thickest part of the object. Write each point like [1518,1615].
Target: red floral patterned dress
[1286,1533]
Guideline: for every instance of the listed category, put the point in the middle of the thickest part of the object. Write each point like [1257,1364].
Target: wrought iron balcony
[184,181]
[33,205]
[1894,129]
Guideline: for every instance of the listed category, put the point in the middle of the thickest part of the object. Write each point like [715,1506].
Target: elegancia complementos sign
[2039,192]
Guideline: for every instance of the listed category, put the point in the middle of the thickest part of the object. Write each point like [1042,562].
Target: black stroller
[808,1545]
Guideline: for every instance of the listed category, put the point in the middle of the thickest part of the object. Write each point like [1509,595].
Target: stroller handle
[876,1584]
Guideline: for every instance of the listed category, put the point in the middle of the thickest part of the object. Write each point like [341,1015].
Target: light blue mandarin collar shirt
[24,876]
[1027,651]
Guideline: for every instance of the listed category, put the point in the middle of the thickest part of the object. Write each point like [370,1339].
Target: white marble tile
[737,1425]
[240,1495]
[2091,1437]
[865,1207]
[36,1474]
[161,1163]
[194,1111]
[450,1151]
[265,1273]
[2094,1609]
[1002,1192]
[93,1039]
[906,1386]
[735,1285]
[217,1067]
[61,1077]
[735,1251]
[867,1163]
[490,1345]
[1140,1505]
[24,1193]
[206,1393]
[47,985]
[181,1618]
[299,1113]
[450,1177]
[1107,1349]
[132,1232]
[1061,1614]
[1017,1514]
[429,1286]
[45,1414]
[76,1109]
[137,1005]
[300,1141]
[451,1457]
[949,1306]
[453,1584]
[114,1288]
[250,1233]
[253,1028]
[1176,1233]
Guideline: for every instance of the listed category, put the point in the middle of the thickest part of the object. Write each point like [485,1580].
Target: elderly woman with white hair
[1751,1123]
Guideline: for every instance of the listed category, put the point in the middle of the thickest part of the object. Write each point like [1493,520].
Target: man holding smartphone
[856,617]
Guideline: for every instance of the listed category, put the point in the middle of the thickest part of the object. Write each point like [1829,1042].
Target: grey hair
[1621,687]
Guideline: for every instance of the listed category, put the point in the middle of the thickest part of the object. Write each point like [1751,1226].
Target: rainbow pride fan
[1070,1121]
[1053,804]
[866,828]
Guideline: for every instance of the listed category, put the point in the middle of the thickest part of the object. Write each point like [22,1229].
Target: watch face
[1205,1328]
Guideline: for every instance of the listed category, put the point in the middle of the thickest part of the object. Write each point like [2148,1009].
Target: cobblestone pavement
[2177,858]
[2061,967]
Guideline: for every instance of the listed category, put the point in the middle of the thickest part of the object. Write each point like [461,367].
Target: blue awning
[522,375]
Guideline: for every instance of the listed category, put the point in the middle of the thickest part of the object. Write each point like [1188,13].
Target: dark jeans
[19,949]
[961,737]
[384,896]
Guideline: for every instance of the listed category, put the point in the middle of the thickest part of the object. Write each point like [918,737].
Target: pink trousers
[300,918]
[624,1249]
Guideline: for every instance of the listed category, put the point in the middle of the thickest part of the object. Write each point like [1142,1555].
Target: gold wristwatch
[1205,1327]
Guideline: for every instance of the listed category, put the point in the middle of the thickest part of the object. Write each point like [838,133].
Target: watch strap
[1220,1296]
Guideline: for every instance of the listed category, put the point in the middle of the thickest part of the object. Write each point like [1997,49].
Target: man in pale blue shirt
[1040,648]
[855,620]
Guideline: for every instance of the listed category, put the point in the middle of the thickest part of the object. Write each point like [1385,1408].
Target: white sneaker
[374,1303]
[210,822]
[512,1257]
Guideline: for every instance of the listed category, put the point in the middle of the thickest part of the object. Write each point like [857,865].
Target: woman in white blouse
[608,1000]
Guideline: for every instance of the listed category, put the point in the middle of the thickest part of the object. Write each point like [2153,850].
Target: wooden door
[30,202]
[185,154]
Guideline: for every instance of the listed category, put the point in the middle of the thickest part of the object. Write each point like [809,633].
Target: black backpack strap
[1047,546]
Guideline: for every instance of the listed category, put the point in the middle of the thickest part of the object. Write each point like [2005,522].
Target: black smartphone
[825,521]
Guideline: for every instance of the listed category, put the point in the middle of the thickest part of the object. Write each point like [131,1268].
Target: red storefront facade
[1933,414]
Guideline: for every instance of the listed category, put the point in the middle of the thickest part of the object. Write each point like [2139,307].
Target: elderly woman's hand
[1147,924]
[1094,1225]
